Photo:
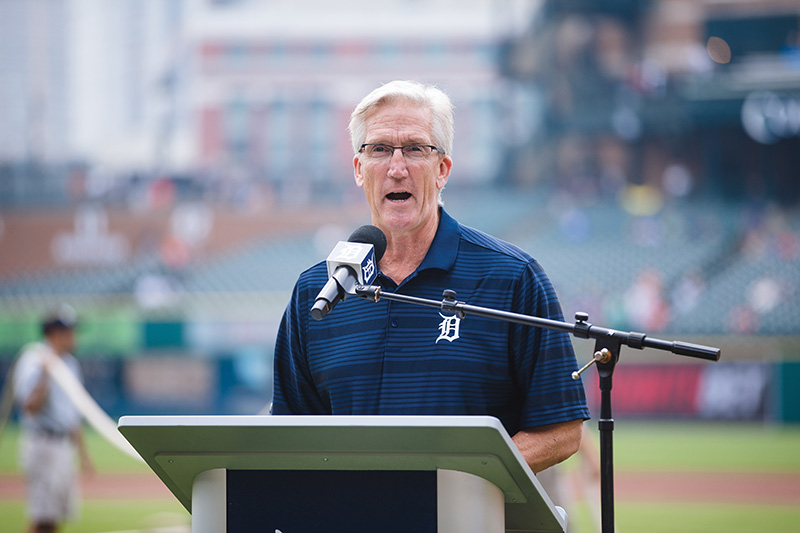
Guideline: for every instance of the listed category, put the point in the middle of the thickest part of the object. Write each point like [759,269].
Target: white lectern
[312,474]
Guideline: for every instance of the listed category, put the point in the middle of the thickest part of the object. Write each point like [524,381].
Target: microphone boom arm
[581,328]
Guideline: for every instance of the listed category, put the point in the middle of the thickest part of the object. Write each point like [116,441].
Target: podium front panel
[327,500]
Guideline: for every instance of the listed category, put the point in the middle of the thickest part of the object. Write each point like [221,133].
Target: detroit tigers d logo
[448,328]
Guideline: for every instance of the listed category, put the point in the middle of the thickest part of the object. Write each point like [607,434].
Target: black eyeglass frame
[402,148]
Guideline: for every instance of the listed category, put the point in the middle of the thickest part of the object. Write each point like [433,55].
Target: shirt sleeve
[544,359]
[294,392]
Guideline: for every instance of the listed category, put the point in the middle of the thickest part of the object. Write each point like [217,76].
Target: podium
[303,474]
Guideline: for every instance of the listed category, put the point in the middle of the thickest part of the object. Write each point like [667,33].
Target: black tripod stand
[608,343]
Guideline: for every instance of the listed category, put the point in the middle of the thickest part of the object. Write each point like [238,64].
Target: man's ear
[357,171]
[445,165]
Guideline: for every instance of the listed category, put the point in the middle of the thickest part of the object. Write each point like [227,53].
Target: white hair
[428,96]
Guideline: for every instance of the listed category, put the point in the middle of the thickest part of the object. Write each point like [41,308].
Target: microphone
[350,263]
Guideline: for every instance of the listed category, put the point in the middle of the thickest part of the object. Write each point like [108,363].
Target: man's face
[63,340]
[402,195]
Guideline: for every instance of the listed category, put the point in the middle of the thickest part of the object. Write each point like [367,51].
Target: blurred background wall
[168,168]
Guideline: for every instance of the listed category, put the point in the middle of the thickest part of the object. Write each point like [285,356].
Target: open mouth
[398,196]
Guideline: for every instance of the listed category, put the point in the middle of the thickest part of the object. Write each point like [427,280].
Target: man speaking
[393,358]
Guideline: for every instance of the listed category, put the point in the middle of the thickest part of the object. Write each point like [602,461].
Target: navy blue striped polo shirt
[396,358]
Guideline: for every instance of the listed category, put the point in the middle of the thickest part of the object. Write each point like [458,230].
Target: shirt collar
[442,252]
[444,248]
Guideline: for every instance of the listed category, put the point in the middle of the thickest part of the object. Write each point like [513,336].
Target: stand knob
[602,356]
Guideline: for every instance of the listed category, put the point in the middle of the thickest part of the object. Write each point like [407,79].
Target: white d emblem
[368,270]
[448,328]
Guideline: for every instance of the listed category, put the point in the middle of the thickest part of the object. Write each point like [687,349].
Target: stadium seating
[713,268]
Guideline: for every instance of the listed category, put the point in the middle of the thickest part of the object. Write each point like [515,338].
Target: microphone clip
[451,305]
[369,292]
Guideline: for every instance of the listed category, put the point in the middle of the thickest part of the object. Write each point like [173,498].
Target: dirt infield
[717,487]
[99,487]
[663,487]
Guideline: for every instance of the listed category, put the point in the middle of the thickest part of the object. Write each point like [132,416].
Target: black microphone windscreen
[368,234]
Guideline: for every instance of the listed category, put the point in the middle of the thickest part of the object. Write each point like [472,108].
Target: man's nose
[397,164]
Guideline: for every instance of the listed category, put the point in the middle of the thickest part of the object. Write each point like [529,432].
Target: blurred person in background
[51,425]
[399,359]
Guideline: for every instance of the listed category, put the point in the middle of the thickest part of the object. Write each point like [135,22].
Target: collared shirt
[393,358]
[58,415]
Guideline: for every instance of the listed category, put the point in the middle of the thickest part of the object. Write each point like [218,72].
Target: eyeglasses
[412,152]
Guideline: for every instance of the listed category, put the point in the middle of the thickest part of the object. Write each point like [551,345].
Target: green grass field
[705,447]
[650,447]
[104,516]
[708,448]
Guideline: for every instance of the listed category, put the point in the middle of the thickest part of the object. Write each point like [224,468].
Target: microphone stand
[607,349]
